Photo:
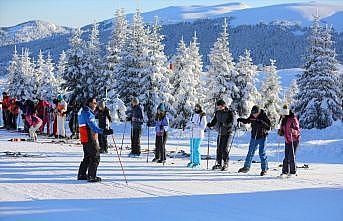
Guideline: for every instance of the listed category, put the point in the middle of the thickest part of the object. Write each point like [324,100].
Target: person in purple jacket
[161,129]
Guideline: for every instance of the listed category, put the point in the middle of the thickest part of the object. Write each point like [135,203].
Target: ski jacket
[135,115]
[291,129]
[198,124]
[43,108]
[32,119]
[259,126]
[161,125]
[61,108]
[103,116]
[88,128]
[6,101]
[223,120]
[14,107]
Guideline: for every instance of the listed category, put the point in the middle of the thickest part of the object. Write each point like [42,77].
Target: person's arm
[108,115]
[213,121]
[265,122]
[165,123]
[295,127]
[229,120]
[245,120]
[203,122]
[90,121]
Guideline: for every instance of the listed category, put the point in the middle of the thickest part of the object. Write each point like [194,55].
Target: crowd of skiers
[93,135]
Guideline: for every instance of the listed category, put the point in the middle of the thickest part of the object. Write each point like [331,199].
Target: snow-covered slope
[30,31]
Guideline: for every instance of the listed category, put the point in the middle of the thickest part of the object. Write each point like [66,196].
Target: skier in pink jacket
[35,123]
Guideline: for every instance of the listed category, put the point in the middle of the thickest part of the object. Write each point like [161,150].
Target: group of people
[223,122]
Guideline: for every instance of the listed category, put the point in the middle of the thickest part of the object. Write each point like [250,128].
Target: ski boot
[196,165]
[283,175]
[82,177]
[94,179]
[291,175]
[225,167]
[217,167]
[190,164]
[263,173]
[243,170]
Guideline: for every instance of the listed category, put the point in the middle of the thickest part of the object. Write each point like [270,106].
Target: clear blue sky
[81,12]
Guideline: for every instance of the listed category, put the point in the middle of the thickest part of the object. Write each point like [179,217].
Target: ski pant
[289,165]
[33,129]
[91,160]
[74,125]
[262,152]
[60,126]
[195,154]
[222,148]
[160,146]
[103,142]
[12,120]
[136,140]
[5,117]
[46,121]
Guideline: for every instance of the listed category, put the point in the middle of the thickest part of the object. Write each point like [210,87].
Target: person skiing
[34,123]
[198,124]
[104,117]
[161,128]
[223,121]
[43,107]
[135,115]
[290,129]
[53,113]
[61,116]
[13,113]
[89,131]
[73,109]
[260,125]
[6,99]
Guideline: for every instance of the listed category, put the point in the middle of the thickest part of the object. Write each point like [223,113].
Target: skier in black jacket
[223,121]
[135,115]
[260,125]
[104,116]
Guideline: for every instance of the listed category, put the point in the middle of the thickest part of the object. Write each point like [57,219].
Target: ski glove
[108,131]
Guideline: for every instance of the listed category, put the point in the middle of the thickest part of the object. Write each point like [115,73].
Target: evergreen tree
[155,86]
[133,61]
[49,84]
[14,75]
[61,68]
[39,71]
[247,95]
[221,72]
[74,67]
[290,93]
[270,90]
[319,100]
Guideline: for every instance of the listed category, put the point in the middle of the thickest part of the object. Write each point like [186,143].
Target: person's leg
[136,141]
[251,152]
[42,126]
[165,137]
[158,143]
[84,163]
[191,146]
[3,117]
[35,129]
[31,132]
[285,163]
[224,147]
[262,152]
[15,120]
[71,126]
[293,167]
[93,149]
[101,143]
[105,143]
[63,130]
[219,153]
[197,157]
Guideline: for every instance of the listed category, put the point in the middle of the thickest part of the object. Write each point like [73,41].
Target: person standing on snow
[5,112]
[198,124]
[73,109]
[14,112]
[290,129]
[260,125]
[223,121]
[43,108]
[89,136]
[161,128]
[33,121]
[135,115]
[61,116]
[104,117]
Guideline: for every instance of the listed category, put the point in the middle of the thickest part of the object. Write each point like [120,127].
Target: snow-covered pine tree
[247,95]
[61,68]
[118,38]
[39,71]
[91,80]
[270,90]
[290,93]
[155,86]
[221,72]
[14,74]
[74,67]
[133,60]
[48,84]
[319,99]
[21,78]
[184,86]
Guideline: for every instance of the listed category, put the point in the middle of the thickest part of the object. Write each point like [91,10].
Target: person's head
[4,94]
[285,111]
[161,109]
[91,103]
[220,104]
[102,105]
[60,97]
[197,109]
[255,111]
[134,102]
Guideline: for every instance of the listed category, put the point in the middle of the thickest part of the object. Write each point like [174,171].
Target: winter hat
[284,111]
[255,109]
[161,107]
[220,102]
[60,97]
[135,100]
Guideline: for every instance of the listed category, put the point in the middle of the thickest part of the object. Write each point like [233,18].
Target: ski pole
[147,156]
[122,139]
[121,165]
[208,147]
[293,152]
[192,143]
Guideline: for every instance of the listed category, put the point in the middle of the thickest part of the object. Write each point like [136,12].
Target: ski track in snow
[44,187]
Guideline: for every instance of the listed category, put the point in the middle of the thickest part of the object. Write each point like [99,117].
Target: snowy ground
[44,186]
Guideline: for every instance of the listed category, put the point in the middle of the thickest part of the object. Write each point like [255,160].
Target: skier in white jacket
[197,125]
